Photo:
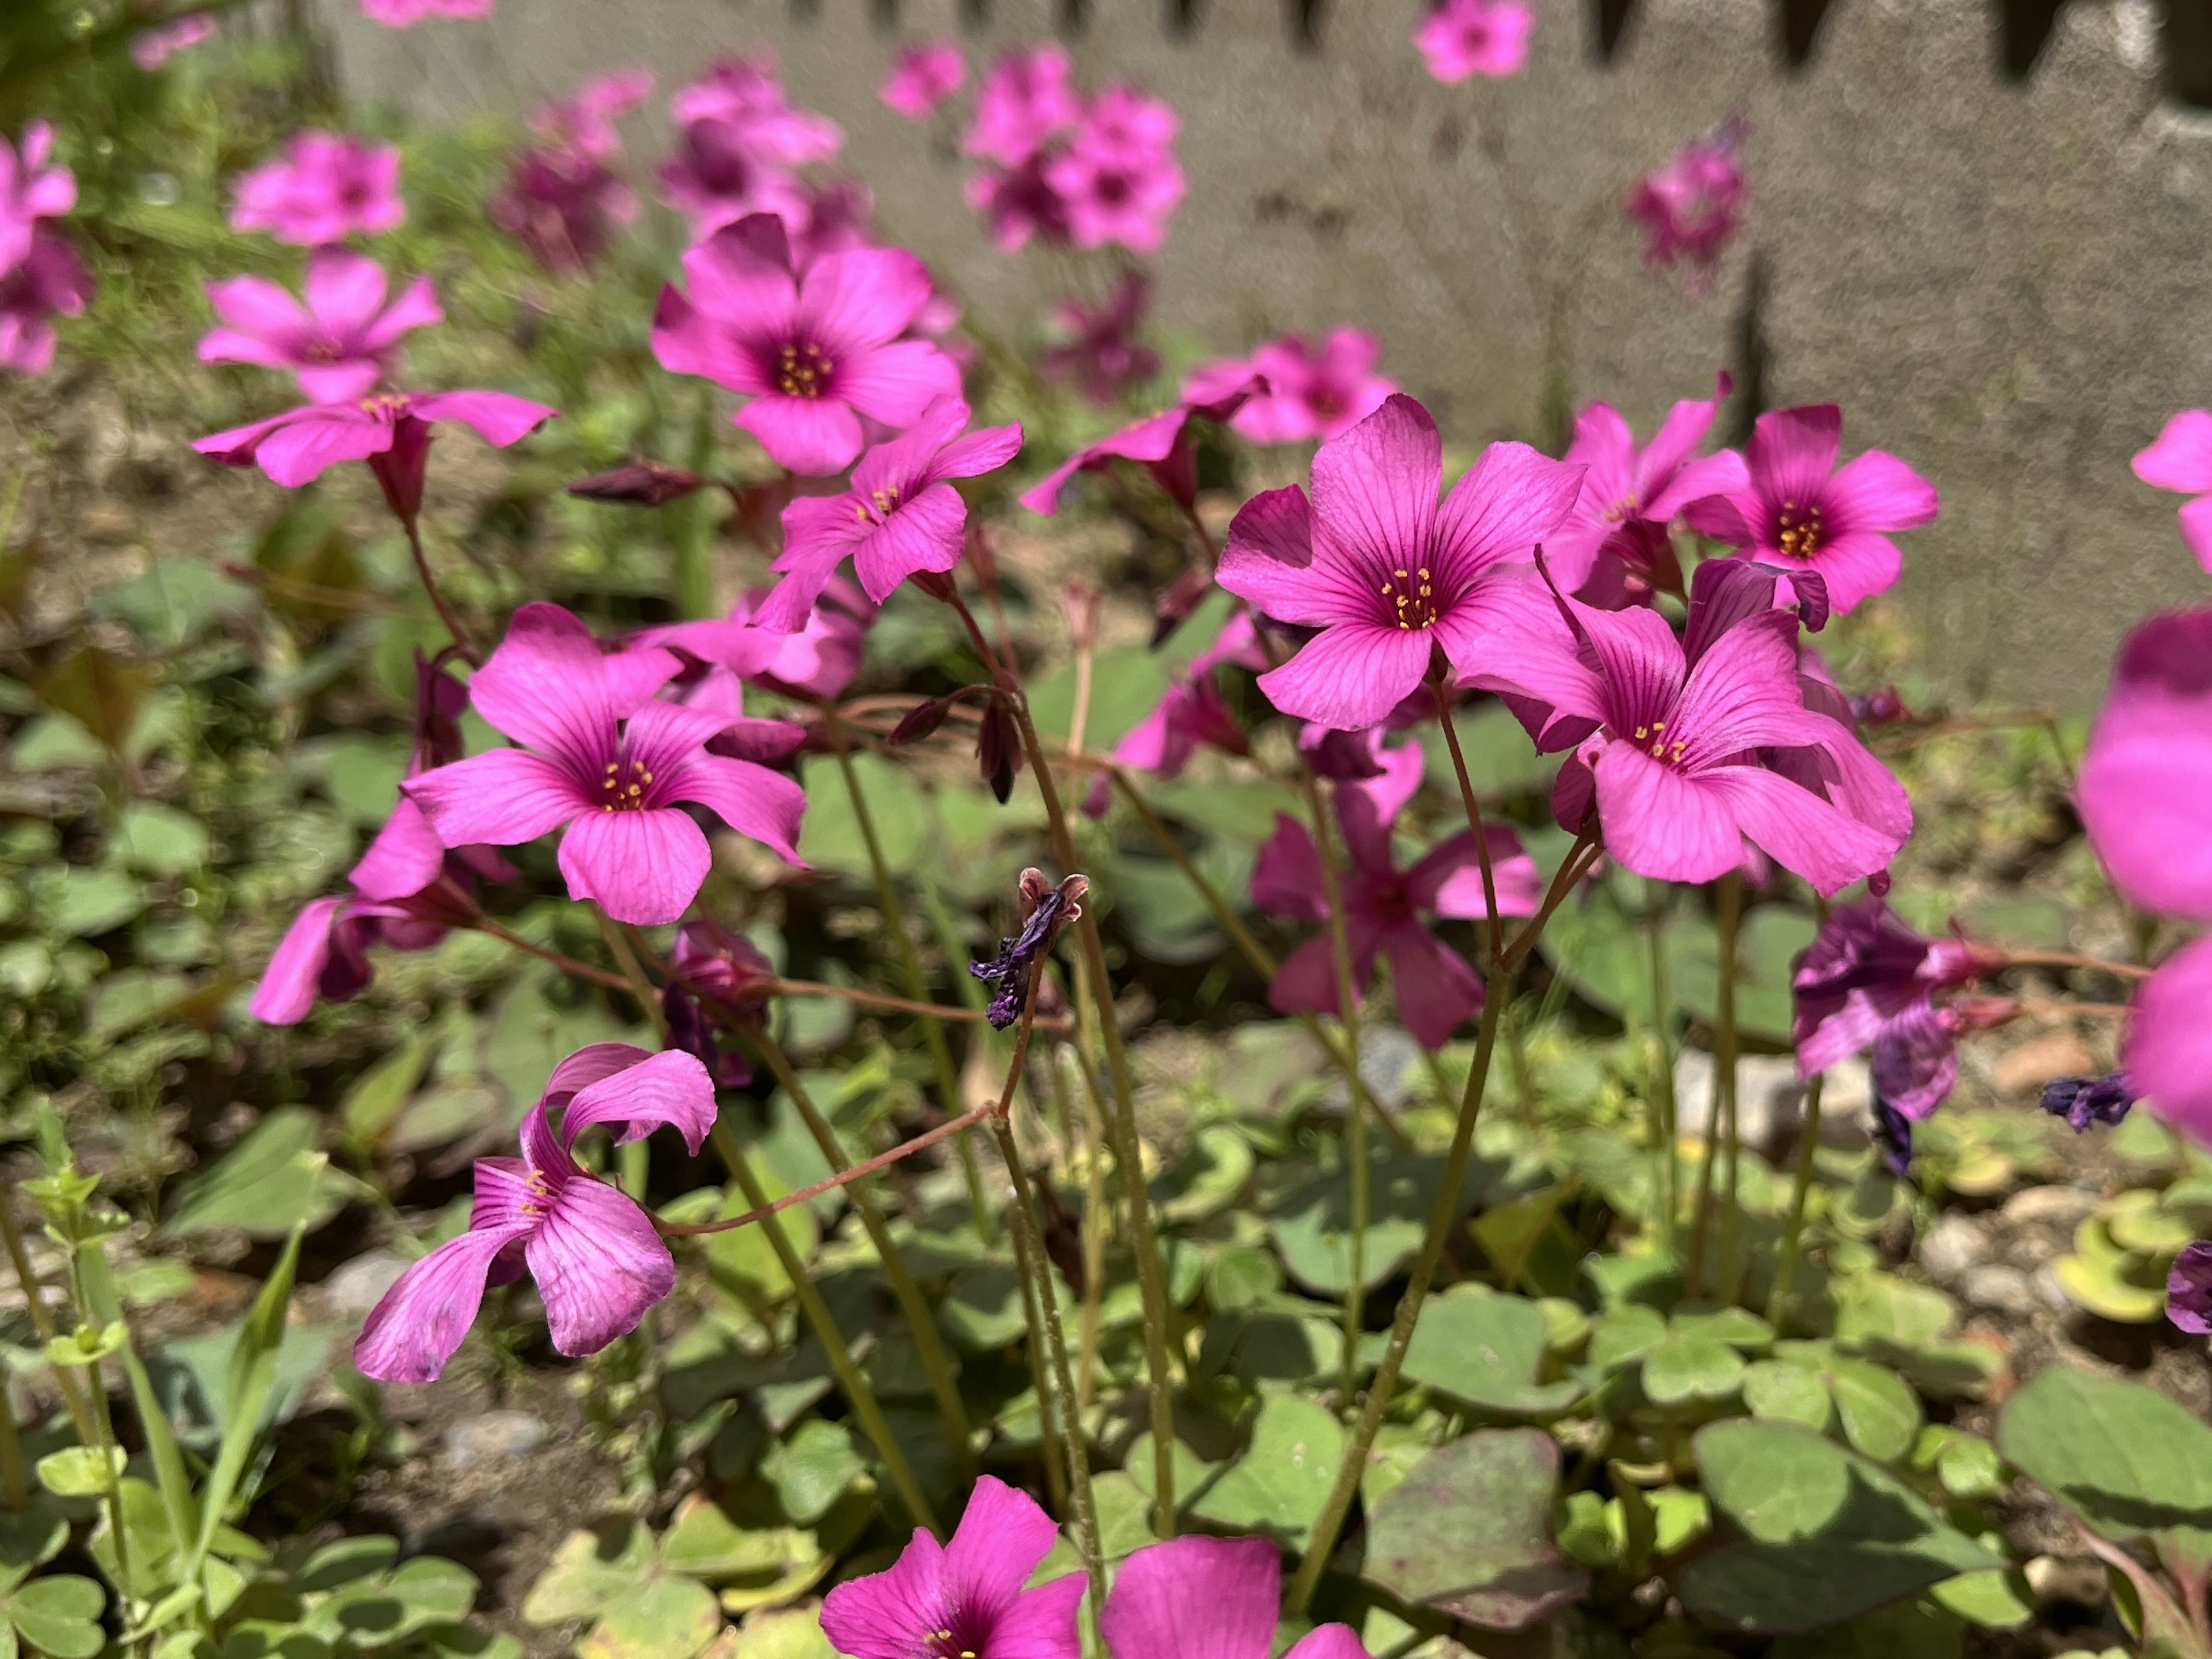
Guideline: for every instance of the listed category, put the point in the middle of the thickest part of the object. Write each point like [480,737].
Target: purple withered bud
[1893,1134]
[690,1031]
[1008,973]
[641,484]
[2083,1101]
[1879,706]
[920,720]
[2189,1290]
[439,701]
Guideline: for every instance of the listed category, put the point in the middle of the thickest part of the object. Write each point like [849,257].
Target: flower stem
[42,1318]
[865,1167]
[1474,818]
[1355,1121]
[1725,1077]
[1801,1186]
[1095,1219]
[452,623]
[824,1324]
[2067,959]
[1665,1132]
[928,1345]
[566,964]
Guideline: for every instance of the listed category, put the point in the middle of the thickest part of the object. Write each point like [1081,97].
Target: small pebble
[491,1435]
[1999,1288]
[2056,1578]
[360,1284]
[2061,1205]
[2048,1287]
[1952,1246]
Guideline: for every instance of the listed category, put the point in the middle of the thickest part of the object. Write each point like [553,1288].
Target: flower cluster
[739,143]
[40,276]
[151,48]
[326,187]
[1311,388]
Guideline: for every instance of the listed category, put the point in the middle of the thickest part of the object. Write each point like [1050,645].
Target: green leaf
[813,1469]
[667,1617]
[1790,1393]
[1910,1630]
[1624,1334]
[80,1471]
[831,838]
[271,1182]
[777,1633]
[160,840]
[1312,1227]
[706,1543]
[379,1094]
[1691,1368]
[86,902]
[1279,1485]
[1468,1532]
[1881,1414]
[60,1615]
[1485,1350]
[2130,1461]
[1826,1534]
[983,1311]
[593,1568]
[1993,1599]
[1241,1276]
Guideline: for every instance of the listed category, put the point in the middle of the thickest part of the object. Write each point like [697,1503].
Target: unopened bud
[641,484]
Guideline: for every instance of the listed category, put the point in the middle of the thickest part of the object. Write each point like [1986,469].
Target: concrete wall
[2000,278]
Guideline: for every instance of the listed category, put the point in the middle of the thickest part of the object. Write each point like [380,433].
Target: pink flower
[1675,748]
[2146,800]
[403,14]
[900,516]
[1384,905]
[1191,712]
[1119,180]
[814,353]
[583,123]
[1020,203]
[326,188]
[738,139]
[563,206]
[603,759]
[1387,574]
[922,77]
[339,343]
[1489,38]
[30,190]
[1630,496]
[151,48]
[1209,1598]
[1026,98]
[2181,459]
[1162,444]
[1797,510]
[598,1262]
[1103,357]
[819,659]
[390,430]
[49,282]
[1314,389]
[1690,207]
[966,1597]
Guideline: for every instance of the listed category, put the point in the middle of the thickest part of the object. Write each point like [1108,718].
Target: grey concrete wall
[2002,280]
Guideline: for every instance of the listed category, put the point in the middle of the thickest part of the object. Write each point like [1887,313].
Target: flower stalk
[1355,1120]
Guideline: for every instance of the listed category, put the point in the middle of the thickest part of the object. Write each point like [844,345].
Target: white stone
[1998,1289]
[489,1436]
[359,1285]
[1952,1246]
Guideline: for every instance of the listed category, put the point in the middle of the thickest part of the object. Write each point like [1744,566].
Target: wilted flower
[49,282]
[151,48]
[716,972]
[1892,1138]
[1101,357]
[921,77]
[584,122]
[1868,982]
[1162,444]
[1489,38]
[30,190]
[2083,1101]
[402,14]
[1690,207]
[327,187]
[2189,1290]
[1388,575]
[1631,494]
[1314,389]
[598,1260]
[737,140]
[1007,974]
[563,206]
[2180,458]
[339,343]
[1215,1597]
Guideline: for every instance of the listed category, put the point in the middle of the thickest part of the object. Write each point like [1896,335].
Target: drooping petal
[598,1261]
[288,984]
[501,797]
[2167,1050]
[1796,828]
[1194,1598]
[1915,1061]
[498,417]
[406,857]
[1351,675]
[1659,824]
[671,1088]
[1002,1536]
[751,798]
[413,1330]
[1286,877]
[589,1065]
[643,868]
[1447,879]
[1436,991]
[302,449]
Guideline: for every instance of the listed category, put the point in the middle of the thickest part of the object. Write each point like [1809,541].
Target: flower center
[946,1644]
[324,350]
[1654,741]
[386,406]
[626,787]
[537,1192]
[1623,509]
[1797,529]
[1410,597]
[887,502]
[802,370]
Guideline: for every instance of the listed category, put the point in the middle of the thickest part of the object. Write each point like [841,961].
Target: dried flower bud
[1008,973]
[2083,1101]
[641,483]
[1183,595]
[999,749]
[921,720]
[1879,706]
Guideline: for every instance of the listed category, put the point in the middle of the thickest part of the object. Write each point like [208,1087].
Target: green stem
[1785,1272]
[929,1345]
[1355,1120]
[1094,1217]
[1666,1133]
[42,1318]
[855,1387]
[103,1429]
[446,616]
[1730,921]
[12,1477]
[1473,810]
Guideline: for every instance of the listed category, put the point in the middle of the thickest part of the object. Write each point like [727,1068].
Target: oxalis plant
[1456,743]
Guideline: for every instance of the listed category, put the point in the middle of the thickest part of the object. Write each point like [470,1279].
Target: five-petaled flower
[1489,38]
[1118,179]
[921,77]
[1616,529]
[583,123]
[1389,576]
[338,343]
[609,762]
[1102,355]
[30,190]
[1690,207]
[50,281]
[598,1260]
[327,187]
[738,139]
[1209,1598]
[1315,388]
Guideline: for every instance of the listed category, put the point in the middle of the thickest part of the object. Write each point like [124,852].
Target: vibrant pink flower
[598,1260]
[1384,905]
[2181,459]
[1314,389]
[602,758]
[921,77]
[151,48]
[737,140]
[814,352]
[1191,712]
[49,282]
[1672,746]
[1027,98]
[404,14]
[327,187]
[820,660]
[900,516]
[1387,574]
[964,1600]
[563,206]
[583,123]
[1162,444]
[1795,509]
[1101,357]
[339,343]
[1690,207]
[390,430]
[30,190]
[1489,38]
[1630,496]
[1209,1598]
[1118,179]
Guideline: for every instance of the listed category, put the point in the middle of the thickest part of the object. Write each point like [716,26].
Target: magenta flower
[583,123]
[737,140]
[819,659]
[326,188]
[2189,1290]
[1209,1598]
[390,430]
[1677,751]
[2181,459]
[1315,389]
[963,1600]
[1690,207]
[563,206]
[339,343]
[1103,357]
[1189,713]
[1797,509]
[900,516]
[1118,179]
[1162,444]
[598,1262]
[1027,98]
[602,758]
[30,190]
[2146,800]
[151,48]
[1489,38]
[1630,496]
[49,282]
[1388,576]
[1020,203]
[1384,905]
[921,77]
[404,14]
[815,352]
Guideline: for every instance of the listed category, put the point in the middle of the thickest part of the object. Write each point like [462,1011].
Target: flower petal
[2180,457]
[1374,489]
[923,533]
[1286,877]
[1796,828]
[1877,491]
[2167,1050]
[501,797]
[1794,450]
[1510,500]
[288,984]
[344,289]
[1351,675]
[413,1330]
[599,1264]
[895,383]
[1659,824]
[862,298]
[1195,1598]
[544,686]
[892,1614]
[406,857]
[1002,1536]
[300,450]
[495,416]
[643,868]
[671,1088]
[812,436]
[1436,991]
[751,800]
[1328,1642]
